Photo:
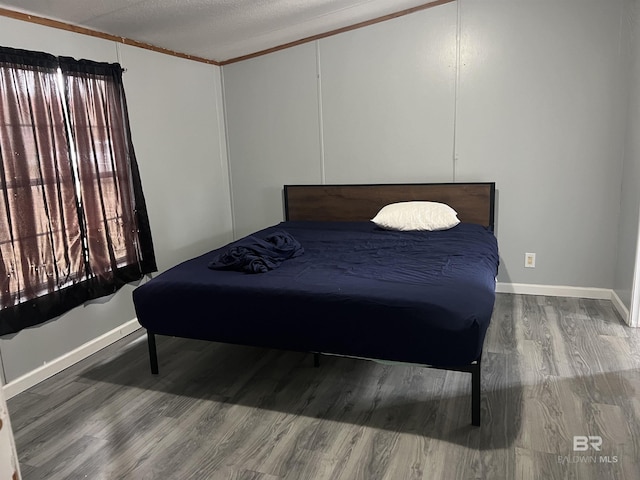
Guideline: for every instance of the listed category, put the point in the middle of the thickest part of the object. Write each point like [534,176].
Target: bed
[358,290]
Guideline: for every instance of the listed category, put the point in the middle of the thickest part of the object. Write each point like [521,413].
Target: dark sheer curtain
[118,236]
[73,221]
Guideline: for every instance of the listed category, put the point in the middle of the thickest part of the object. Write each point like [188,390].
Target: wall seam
[228,152]
[323,178]
[455,92]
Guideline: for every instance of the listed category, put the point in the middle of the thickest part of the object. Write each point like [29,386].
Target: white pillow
[407,216]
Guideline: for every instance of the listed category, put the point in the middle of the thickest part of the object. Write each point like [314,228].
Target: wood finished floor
[553,368]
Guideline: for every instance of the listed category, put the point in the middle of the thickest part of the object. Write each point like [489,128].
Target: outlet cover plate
[530,260]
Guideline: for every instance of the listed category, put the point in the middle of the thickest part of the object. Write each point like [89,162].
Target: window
[73,221]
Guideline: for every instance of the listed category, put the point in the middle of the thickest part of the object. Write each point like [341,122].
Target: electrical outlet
[530,260]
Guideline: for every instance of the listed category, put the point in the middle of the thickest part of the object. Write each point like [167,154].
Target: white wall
[540,110]
[177,124]
[273,132]
[388,100]
[371,105]
[630,204]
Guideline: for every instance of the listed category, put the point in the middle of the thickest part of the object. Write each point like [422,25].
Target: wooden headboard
[474,202]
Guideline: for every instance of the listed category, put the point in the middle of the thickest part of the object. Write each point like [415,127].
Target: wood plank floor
[553,368]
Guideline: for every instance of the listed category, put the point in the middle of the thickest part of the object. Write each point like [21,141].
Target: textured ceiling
[212,29]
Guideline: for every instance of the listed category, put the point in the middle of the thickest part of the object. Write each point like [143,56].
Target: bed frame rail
[473,368]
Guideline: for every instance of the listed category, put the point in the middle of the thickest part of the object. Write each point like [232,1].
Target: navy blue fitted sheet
[422,297]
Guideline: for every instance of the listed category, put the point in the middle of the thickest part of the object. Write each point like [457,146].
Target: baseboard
[554,290]
[620,307]
[565,291]
[49,369]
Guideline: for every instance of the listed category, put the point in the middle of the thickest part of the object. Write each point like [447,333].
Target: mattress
[358,290]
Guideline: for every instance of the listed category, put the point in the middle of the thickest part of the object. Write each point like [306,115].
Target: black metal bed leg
[153,354]
[475,394]
[316,359]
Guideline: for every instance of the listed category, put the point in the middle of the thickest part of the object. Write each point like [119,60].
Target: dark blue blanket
[421,297]
[253,254]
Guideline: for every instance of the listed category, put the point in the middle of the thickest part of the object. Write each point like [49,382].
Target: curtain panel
[73,220]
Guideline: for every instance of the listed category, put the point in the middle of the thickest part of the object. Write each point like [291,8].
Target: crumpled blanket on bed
[258,255]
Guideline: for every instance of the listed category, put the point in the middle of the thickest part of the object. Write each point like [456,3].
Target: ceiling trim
[348,28]
[4,12]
